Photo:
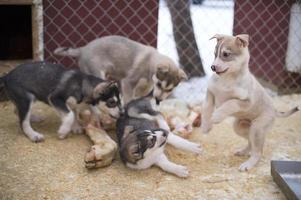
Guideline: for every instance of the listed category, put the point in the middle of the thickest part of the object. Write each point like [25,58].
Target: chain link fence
[274,28]
[181,29]
[74,23]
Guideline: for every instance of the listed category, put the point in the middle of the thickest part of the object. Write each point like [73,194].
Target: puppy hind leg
[171,167]
[258,129]
[23,102]
[242,128]
[24,108]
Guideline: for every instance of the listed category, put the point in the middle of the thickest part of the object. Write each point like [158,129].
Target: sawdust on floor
[55,168]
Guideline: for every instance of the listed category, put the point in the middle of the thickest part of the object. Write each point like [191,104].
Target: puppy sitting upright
[138,67]
[55,85]
[142,134]
[234,91]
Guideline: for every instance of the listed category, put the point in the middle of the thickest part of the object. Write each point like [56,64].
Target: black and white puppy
[142,134]
[55,85]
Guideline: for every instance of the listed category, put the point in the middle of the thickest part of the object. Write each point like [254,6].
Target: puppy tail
[287,113]
[67,51]
[3,96]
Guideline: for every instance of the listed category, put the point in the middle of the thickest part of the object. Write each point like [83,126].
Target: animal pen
[180,29]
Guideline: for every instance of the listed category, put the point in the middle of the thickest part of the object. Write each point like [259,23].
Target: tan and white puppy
[138,67]
[234,91]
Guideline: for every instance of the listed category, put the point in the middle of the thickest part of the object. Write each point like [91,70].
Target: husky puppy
[138,67]
[142,134]
[55,85]
[234,91]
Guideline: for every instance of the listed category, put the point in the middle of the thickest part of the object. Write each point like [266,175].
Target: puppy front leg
[183,144]
[67,115]
[171,167]
[227,109]
[67,122]
[207,110]
[258,129]
[127,91]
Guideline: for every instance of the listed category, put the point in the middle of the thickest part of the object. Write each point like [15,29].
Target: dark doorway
[16,32]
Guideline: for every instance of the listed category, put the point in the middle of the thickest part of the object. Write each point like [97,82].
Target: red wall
[74,23]
[267,23]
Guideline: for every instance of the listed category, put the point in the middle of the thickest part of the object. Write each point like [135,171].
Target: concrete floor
[55,169]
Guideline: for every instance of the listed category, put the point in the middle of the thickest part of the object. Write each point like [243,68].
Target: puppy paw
[63,132]
[195,148]
[246,166]
[181,171]
[241,152]
[37,137]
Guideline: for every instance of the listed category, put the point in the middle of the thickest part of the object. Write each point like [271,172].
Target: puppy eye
[226,54]
[111,103]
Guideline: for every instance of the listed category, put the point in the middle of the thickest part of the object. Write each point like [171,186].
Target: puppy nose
[213,67]
[164,134]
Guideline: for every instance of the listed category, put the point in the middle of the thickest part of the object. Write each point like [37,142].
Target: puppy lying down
[142,135]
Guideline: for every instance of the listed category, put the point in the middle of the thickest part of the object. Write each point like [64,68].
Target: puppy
[55,85]
[234,91]
[138,67]
[142,134]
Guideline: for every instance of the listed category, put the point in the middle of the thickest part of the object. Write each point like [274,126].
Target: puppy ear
[163,68]
[113,84]
[218,37]
[99,89]
[242,40]
[182,75]
[161,71]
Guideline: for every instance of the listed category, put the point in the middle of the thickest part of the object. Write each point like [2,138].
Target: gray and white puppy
[55,85]
[142,134]
[138,67]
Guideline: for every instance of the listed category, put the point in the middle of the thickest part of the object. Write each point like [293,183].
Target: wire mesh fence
[75,23]
[181,29]
[274,28]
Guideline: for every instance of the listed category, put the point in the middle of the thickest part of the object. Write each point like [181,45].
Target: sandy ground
[54,169]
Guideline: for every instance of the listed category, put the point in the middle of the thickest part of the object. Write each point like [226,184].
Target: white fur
[32,134]
[178,141]
[156,156]
[66,126]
